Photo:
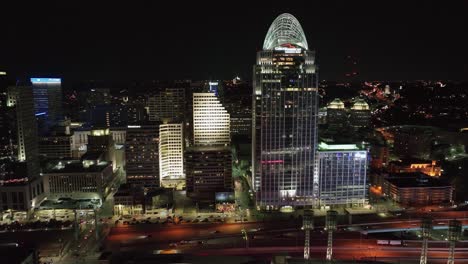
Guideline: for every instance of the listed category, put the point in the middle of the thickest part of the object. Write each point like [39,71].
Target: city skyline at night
[251,133]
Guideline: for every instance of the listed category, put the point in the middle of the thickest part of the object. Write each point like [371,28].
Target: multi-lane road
[269,238]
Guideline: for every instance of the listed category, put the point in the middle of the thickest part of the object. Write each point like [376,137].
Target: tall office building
[142,155]
[48,99]
[20,98]
[209,170]
[285,107]
[21,188]
[167,105]
[360,114]
[336,113]
[171,155]
[342,170]
[211,121]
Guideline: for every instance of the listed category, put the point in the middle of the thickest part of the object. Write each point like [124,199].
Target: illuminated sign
[41,113]
[133,126]
[289,50]
[2,73]
[46,80]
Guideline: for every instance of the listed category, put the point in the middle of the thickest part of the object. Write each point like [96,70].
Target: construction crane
[330,226]
[454,233]
[426,230]
[307,225]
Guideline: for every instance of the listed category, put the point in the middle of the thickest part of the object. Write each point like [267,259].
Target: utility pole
[454,233]
[426,230]
[307,225]
[330,226]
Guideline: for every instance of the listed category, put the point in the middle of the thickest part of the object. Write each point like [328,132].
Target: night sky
[136,41]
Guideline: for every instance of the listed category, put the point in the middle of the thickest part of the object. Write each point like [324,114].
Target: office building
[21,188]
[48,99]
[21,102]
[142,155]
[417,189]
[89,178]
[167,105]
[342,171]
[171,155]
[360,114]
[285,113]
[336,113]
[211,122]
[209,170]
[56,146]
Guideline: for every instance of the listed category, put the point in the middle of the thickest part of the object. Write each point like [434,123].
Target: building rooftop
[360,104]
[336,104]
[73,166]
[334,147]
[407,162]
[416,180]
[285,29]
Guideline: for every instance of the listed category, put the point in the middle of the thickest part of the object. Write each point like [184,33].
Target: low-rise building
[417,189]
[86,178]
[129,200]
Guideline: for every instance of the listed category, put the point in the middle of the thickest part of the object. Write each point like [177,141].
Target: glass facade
[342,176]
[285,107]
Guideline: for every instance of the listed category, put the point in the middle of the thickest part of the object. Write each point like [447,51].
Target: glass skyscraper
[285,108]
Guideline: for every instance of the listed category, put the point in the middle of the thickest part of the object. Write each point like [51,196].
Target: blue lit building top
[46,80]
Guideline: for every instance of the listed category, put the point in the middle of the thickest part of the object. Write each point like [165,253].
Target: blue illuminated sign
[46,80]
[41,113]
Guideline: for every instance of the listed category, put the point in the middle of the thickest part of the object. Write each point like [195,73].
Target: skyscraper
[20,98]
[285,108]
[48,99]
[211,121]
[171,155]
[142,156]
[167,105]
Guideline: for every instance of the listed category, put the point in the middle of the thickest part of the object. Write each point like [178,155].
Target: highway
[269,238]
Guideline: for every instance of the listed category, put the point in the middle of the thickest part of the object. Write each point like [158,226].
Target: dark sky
[145,41]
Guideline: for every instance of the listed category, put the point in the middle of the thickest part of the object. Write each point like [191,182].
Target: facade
[209,170]
[336,113]
[22,196]
[78,178]
[56,146]
[167,105]
[21,100]
[48,99]
[342,170]
[417,189]
[285,108]
[142,155]
[211,122]
[171,155]
[360,114]
[241,126]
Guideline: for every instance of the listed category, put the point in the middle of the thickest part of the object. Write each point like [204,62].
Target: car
[173,244]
